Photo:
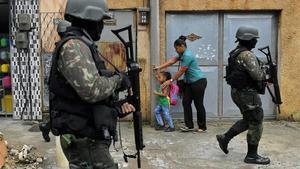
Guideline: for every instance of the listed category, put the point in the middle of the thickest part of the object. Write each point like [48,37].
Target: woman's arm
[166,64]
[178,74]
[155,72]
[175,77]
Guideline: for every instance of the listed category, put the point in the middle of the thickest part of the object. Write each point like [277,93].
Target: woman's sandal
[201,131]
[186,129]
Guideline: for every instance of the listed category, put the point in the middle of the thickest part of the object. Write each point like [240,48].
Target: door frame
[220,65]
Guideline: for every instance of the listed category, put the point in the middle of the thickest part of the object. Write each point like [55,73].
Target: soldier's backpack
[235,77]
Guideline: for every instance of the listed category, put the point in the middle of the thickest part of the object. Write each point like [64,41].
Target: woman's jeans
[195,92]
[165,110]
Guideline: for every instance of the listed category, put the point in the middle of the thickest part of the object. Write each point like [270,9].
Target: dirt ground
[177,150]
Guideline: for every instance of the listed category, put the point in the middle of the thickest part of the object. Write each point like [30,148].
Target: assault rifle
[276,97]
[133,71]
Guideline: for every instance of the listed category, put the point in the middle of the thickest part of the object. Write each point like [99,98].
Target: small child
[163,101]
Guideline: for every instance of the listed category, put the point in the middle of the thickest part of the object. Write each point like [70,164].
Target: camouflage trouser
[89,154]
[250,105]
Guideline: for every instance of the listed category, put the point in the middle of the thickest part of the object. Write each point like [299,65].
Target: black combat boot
[45,129]
[253,158]
[223,142]
[224,139]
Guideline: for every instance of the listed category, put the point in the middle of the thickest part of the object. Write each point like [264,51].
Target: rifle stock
[273,69]
[133,71]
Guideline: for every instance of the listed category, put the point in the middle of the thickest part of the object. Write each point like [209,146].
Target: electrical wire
[29,83]
[25,96]
[29,70]
[14,13]
[13,3]
[23,88]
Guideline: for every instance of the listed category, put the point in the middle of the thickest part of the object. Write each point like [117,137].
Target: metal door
[218,35]
[109,45]
[267,26]
[122,18]
[205,50]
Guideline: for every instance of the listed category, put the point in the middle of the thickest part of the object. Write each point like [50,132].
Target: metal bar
[220,64]
[154,46]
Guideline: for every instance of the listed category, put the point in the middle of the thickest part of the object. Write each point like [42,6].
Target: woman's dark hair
[180,41]
[167,75]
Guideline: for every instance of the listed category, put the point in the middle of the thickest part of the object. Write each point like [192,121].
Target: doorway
[217,30]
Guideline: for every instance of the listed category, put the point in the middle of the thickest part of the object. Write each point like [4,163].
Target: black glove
[125,84]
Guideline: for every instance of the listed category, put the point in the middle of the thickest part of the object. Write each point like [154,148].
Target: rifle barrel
[133,73]
[276,97]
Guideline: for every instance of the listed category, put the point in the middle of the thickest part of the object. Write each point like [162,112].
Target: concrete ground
[177,150]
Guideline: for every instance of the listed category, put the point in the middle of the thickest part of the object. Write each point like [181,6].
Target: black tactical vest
[69,114]
[235,77]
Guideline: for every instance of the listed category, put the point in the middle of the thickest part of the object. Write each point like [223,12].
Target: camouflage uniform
[247,79]
[82,89]
[76,64]
[248,100]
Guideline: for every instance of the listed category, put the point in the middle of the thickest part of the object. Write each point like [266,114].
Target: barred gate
[30,69]
[49,36]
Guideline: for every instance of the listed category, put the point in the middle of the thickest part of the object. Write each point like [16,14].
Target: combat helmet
[246,33]
[91,10]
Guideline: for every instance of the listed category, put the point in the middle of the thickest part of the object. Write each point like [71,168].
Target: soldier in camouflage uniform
[82,89]
[246,78]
